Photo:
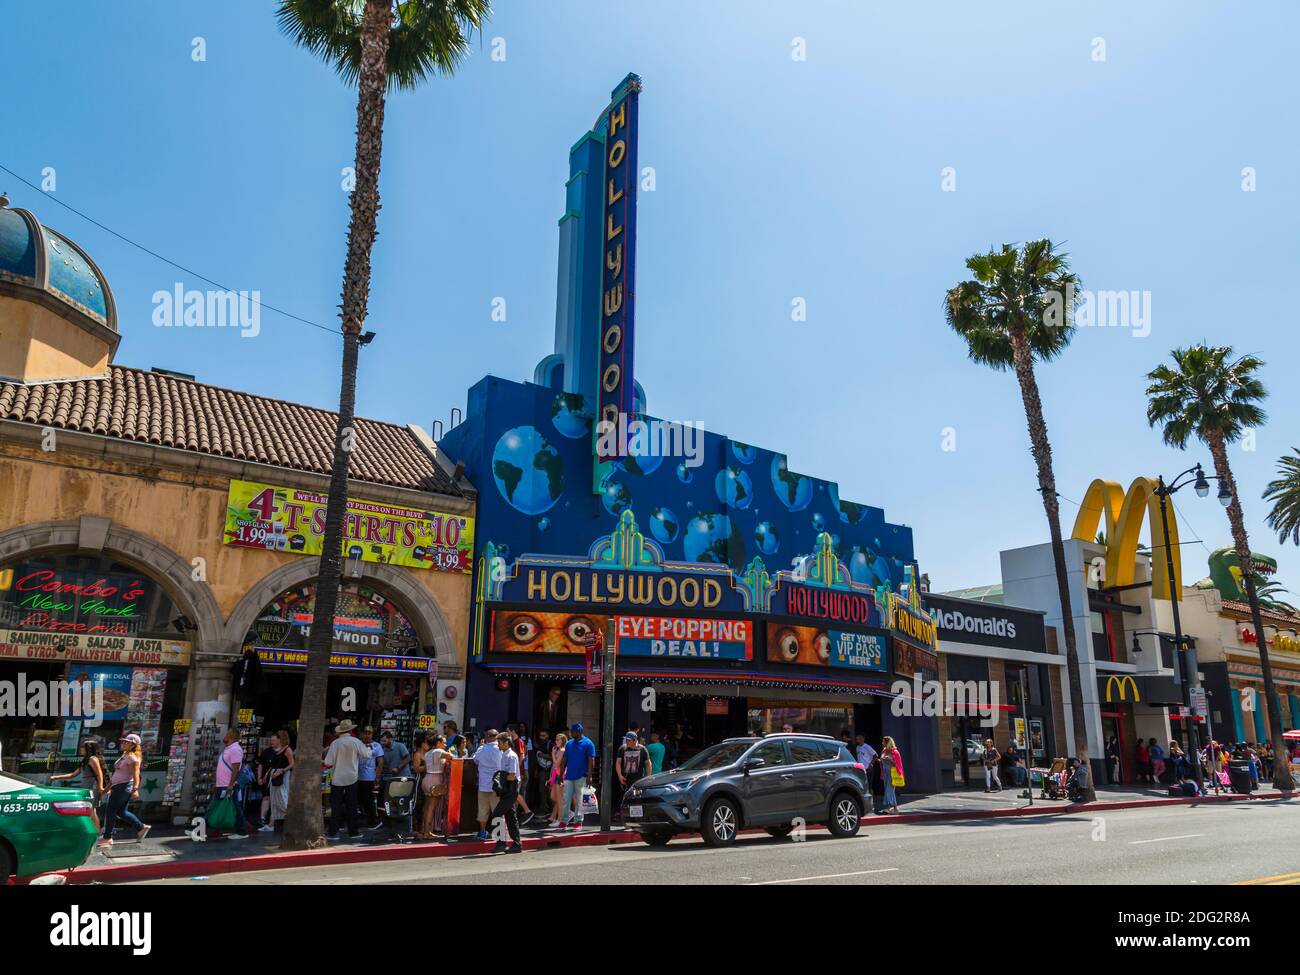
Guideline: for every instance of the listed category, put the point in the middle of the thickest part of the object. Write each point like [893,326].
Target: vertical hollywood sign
[618,261]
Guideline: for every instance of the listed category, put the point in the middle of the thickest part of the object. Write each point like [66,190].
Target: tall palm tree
[1285,495]
[1017,308]
[1214,397]
[380,46]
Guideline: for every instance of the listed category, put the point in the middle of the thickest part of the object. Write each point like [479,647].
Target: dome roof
[36,257]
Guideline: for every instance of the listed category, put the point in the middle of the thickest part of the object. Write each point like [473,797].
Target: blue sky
[776,179]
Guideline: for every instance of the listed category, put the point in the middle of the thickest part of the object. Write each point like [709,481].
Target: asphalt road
[1214,844]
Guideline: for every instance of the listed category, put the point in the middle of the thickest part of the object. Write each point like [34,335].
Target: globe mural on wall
[705,507]
[664,525]
[792,490]
[713,537]
[567,416]
[528,471]
[767,538]
[734,488]
[616,496]
[743,452]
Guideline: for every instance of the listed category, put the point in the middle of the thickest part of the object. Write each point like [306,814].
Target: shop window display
[84,619]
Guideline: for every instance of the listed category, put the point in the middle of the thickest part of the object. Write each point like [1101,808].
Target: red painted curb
[417,851]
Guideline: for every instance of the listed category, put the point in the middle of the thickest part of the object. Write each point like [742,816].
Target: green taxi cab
[42,828]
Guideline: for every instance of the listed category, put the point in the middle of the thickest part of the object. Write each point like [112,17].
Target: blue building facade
[744,595]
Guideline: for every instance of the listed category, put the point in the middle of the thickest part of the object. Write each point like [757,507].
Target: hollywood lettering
[913,626]
[830,604]
[618,255]
[622,588]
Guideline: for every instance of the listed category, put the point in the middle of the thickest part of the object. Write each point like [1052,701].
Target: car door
[814,769]
[768,790]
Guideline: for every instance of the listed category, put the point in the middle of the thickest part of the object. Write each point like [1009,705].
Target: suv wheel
[6,864]
[846,816]
[721,821]
[657,837]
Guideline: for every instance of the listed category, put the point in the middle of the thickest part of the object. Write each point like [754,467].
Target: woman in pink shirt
[124,786]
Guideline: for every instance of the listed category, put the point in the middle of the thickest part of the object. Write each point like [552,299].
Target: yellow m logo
[1121,682]
[1124,514]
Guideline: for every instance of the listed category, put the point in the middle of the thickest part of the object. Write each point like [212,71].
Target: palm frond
[427,37]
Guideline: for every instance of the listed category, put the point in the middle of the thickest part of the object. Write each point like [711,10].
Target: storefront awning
[703,678]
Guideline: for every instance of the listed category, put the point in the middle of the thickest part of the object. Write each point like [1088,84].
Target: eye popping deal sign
[669,636]
[288,520]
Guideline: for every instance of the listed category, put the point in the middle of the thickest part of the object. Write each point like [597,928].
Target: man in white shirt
[505,807]
[345,755]
[488,760]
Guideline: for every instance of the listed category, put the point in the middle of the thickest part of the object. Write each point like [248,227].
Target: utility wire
[165,260]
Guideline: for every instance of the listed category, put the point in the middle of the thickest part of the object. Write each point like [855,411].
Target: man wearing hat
[631,765]
[345,755]
[576,766]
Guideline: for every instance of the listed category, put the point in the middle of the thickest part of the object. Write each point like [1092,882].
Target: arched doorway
[96,647]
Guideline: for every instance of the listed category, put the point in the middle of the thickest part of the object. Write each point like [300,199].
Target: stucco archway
[416,601]
[92,535]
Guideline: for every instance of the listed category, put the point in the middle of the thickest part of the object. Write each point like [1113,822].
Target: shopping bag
[221,814]
[896,777]
[590,805]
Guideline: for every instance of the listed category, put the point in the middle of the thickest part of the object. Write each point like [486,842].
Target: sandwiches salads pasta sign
[288,520]
[125,650]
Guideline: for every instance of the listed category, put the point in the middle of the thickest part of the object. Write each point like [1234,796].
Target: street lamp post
[1164,492]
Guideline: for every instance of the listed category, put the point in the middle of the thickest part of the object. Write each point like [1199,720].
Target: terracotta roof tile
[168,411]
[1267,615]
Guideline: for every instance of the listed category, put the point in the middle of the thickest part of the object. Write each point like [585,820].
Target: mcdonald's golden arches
[1124,513]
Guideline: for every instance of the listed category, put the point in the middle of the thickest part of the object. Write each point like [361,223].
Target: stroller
[1054,780]
[399,808]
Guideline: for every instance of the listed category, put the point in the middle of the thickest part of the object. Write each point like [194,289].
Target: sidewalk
[170,853]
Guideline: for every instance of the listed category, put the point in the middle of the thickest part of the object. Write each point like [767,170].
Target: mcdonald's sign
[1124,514]
[1124,683]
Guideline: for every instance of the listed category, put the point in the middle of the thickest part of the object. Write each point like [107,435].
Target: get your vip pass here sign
[288,520]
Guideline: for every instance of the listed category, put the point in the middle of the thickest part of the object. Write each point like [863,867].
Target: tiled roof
[1269,616]
[169,411]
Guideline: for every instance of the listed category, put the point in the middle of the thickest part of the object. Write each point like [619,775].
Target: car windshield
[715,756]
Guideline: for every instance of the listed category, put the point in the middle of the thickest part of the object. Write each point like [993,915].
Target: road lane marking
[1165,839]
[824,876]
[1277,880]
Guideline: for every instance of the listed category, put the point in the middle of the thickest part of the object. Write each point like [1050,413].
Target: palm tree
[1017,308]
[1212,396]
[1285,495]
[378,45]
